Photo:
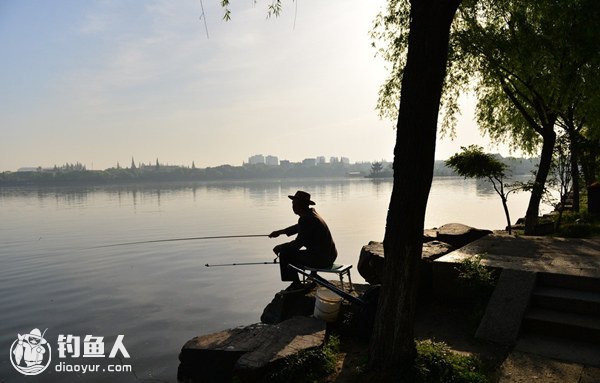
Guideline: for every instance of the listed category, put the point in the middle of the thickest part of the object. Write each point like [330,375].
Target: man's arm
[287,231]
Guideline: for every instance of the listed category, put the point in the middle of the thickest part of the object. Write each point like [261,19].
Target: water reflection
[160,295]
[264,193]
[484,188]
[259,191]
[381,184]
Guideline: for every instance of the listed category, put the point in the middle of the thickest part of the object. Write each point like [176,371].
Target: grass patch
[435,362]
[307,366]
[578,225]
[578,230]
[472,272]
[476,283]
[476,279]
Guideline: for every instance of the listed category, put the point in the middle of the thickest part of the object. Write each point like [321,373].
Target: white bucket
[327,305]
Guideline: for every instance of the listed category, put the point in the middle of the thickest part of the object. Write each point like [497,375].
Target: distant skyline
[100,81]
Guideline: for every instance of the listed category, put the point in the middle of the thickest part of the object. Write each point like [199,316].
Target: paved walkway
[580,257]
[541,254]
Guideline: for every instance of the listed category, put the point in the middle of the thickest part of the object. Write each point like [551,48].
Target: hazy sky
[102,81]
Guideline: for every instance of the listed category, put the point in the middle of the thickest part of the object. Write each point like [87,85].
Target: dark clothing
[314,235]
[298,258]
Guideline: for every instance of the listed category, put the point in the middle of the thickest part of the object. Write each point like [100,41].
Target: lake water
[159,295]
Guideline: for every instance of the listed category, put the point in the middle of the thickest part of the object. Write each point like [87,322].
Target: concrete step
[575,301]
[563,324]
[572,282]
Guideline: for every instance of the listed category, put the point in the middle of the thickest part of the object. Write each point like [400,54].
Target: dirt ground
[436,321]
[456,327]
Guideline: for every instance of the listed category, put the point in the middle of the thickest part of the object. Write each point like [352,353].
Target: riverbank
[458,323]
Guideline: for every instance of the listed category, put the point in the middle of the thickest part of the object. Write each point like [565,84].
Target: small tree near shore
[472,162]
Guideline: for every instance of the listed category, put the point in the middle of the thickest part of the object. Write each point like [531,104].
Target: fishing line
[182,239]
[274,262]
[203,16]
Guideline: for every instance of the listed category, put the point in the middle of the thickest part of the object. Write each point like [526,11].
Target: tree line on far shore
[79,175]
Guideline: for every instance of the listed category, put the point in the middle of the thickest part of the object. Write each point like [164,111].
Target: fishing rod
[274,262]
[183,239]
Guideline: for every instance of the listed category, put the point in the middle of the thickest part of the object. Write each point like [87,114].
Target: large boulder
[247,352]
[436,243]
[286,305]
[458,235]
[370,262]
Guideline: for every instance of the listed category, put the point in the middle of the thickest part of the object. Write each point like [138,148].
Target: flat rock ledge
[437,242]
[247,352]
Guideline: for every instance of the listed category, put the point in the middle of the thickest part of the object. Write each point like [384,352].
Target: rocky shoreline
[287,326]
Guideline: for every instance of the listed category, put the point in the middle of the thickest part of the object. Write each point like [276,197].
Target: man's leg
[286,257]
[314,260]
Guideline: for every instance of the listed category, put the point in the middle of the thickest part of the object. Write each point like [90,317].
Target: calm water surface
[159,295]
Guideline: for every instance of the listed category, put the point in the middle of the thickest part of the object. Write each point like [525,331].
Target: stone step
[573,282]
[563,324]
[576,301]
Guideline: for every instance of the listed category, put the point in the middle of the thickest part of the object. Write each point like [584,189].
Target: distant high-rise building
[334,160]
[284,163]
[309,162]
[256,159]
[272,160]
[28,169]
[321,160]
[345,160]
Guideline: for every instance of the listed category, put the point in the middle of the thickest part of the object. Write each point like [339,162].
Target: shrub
[307,366]
[435,362]
[476,283]
[576,230]
[476,278]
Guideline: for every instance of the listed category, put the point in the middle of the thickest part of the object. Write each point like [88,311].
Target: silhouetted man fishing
[313,235]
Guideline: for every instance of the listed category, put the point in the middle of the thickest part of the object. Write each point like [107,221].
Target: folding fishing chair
[340,270]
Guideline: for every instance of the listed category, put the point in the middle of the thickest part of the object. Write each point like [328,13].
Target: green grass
[435,362]
[476,279]
[476,283]
[579,224]
[307,366]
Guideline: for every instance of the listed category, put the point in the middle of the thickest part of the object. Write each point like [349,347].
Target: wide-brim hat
[35,334]
[302,196]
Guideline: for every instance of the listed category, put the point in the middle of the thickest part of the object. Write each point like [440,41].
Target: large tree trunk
[574,148]
[575,172]
[392,344]
[549,139]
[589,157]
